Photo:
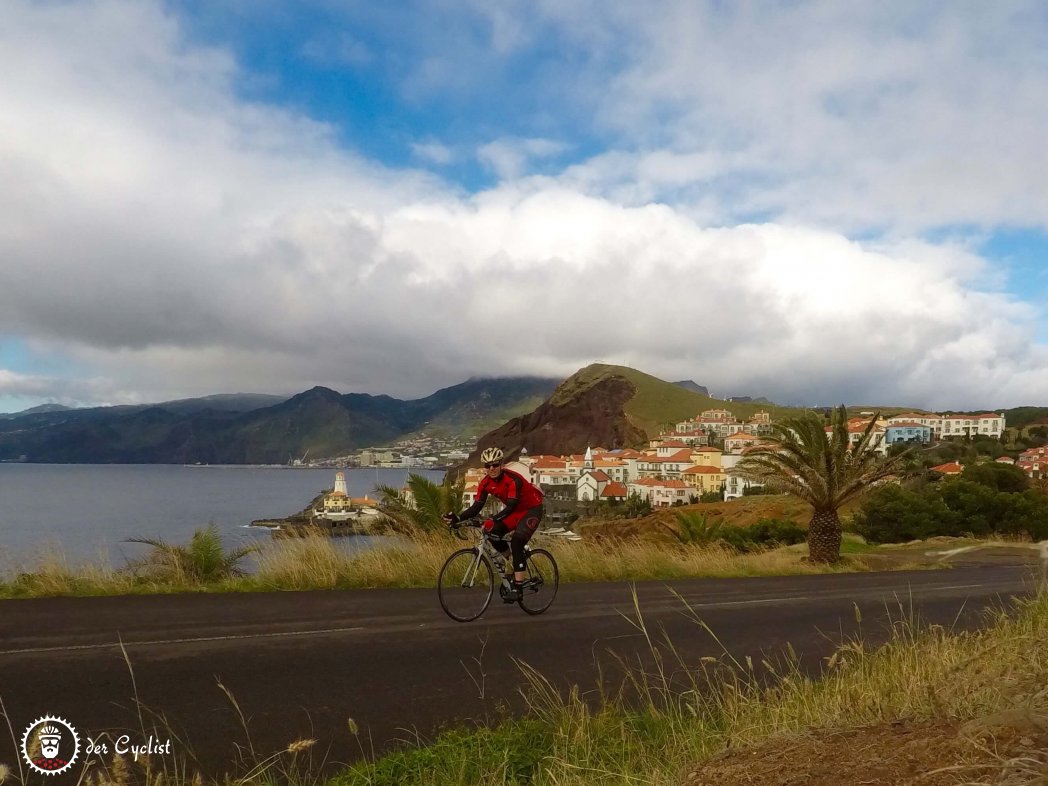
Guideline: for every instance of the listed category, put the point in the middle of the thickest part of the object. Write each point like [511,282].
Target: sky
[816,202]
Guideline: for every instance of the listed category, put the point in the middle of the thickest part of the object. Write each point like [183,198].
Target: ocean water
[87,511]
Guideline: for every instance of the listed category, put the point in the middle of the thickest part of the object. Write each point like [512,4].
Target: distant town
[419,452]
[694,461]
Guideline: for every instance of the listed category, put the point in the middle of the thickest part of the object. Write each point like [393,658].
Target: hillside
[743,512]
[254,430]
[609,406]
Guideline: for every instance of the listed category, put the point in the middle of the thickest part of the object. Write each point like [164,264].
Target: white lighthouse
[340,483]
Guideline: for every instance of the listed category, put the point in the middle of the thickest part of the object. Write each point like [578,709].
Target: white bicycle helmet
[492,456]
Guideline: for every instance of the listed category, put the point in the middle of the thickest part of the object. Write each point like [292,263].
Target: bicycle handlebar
[456,527]
[473,523]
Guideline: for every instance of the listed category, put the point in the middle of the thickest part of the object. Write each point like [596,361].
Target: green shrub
[996,476]
[954,507]
[893,514]
[765,534]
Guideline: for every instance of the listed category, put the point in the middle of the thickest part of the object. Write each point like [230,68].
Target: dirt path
[1008,748]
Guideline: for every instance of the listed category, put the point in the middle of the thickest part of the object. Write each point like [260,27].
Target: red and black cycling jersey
[512,489]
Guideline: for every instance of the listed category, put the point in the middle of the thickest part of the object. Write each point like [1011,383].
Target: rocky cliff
[594,416]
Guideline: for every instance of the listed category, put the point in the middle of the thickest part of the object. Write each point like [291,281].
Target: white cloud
[891,115]
[176,241]
[434,152]
[510,158]
[32,388]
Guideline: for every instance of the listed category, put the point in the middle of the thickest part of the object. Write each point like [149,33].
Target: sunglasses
[492,466]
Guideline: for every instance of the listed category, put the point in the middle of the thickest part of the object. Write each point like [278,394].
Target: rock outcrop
[594,416]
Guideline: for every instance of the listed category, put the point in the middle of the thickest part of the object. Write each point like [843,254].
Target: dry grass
[53,575]
[636,559]
[949,707]
[923,676]
[321,562]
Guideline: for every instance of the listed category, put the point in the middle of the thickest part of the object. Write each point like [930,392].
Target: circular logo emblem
[50,745]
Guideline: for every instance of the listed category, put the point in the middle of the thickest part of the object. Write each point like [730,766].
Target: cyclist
[520,515]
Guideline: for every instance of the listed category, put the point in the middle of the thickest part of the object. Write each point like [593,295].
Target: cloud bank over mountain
[770,219]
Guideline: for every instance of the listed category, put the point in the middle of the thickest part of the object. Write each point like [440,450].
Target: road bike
[468,579]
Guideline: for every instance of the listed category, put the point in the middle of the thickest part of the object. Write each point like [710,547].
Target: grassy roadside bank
[929,707]
[321,563]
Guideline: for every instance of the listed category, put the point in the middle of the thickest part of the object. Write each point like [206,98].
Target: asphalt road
[301,664]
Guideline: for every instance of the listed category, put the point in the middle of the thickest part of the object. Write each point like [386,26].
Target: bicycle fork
[470,577]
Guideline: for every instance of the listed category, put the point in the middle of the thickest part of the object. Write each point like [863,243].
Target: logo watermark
[50,745]
[122,746]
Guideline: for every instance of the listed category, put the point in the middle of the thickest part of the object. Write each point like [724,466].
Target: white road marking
[752,602]
[73,647]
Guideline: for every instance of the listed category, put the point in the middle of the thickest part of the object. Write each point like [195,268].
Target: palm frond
[822,468]
[202,560]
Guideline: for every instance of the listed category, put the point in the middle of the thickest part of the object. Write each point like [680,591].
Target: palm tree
[695,528]
[824,472]
[424,504]
[202,560]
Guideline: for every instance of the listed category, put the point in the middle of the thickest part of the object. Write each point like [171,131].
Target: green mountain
[239,429]
[613,407]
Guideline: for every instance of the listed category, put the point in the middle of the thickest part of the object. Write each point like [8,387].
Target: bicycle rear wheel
[540,586]
[465,585]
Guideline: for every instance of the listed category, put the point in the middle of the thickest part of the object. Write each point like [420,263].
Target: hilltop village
[696,461]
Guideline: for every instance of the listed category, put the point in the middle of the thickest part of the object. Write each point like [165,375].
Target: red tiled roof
[950,468]
[615,489]
[702,469]
[906,424]
[680,457]
[672,484]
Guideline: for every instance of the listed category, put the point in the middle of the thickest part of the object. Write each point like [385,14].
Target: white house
[735,485]
[988,424]
[590,485]
[661,493]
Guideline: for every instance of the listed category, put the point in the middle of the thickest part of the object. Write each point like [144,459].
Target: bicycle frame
[477,566]
[485,548]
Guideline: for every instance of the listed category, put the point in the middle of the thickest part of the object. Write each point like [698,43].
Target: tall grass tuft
[52,575]
[320,562]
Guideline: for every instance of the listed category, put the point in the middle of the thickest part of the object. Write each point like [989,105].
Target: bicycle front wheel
[465,585]
[540,586]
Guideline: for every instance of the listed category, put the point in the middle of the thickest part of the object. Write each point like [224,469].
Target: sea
[84,513]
